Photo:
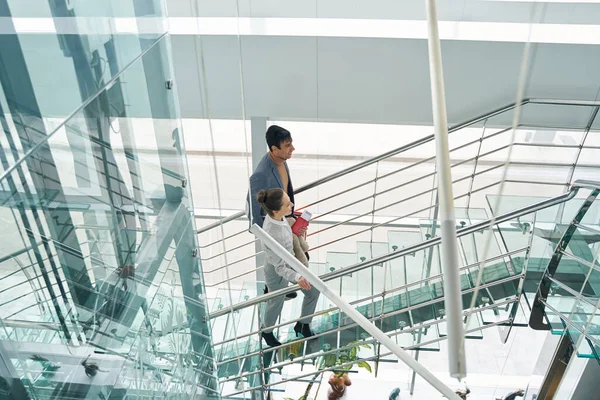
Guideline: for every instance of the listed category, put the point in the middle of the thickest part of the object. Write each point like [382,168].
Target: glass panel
[375,275]
[406,269]
[504,312]
[472,331]
[105,235]
[593,331]
[561,301]
[574,274]
[514,235]
[348,284]
[583,346]
[562,213]
[61,70]
[584,245]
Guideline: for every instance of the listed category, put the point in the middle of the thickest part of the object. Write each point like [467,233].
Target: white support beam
[449,256]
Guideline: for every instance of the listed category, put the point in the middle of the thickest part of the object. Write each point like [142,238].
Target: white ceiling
[368,80]
[564,12]
[292,67]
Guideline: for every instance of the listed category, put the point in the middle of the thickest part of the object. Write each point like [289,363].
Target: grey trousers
[274,306]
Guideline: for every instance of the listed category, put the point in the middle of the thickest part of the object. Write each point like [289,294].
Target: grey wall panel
[280,76]
[221,60]
[373,80]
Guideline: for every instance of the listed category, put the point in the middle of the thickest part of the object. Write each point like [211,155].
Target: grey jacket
[265,177]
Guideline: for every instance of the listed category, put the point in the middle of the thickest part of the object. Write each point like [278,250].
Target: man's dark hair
[276,135]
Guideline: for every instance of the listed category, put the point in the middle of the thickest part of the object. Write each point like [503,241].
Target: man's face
[285,150]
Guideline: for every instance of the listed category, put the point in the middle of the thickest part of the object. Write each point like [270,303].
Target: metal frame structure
[538,314]
[385,222]
[416,143]
[352,313]
[384,258]
[420,246]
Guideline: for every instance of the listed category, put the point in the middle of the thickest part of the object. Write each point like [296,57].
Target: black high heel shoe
[270,339]
[303,329]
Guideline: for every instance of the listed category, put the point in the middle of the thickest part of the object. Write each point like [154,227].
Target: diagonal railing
[396,254]
[349,310]
[405,148]
[580,184]
[333,217]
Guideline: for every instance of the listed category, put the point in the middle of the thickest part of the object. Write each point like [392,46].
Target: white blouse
[282,233]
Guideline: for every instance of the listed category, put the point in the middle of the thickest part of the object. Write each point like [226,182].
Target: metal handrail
[574,188]
[412,145]
[397,332]
[406,147]
[241,213]
[394,291]
[339,223]
[350,311]
[340,366]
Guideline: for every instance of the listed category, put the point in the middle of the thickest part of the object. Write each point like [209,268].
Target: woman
[277,205]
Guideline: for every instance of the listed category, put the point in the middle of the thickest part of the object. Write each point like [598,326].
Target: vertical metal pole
[258,128]
[452,297]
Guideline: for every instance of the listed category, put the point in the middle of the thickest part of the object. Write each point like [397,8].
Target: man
[272,172]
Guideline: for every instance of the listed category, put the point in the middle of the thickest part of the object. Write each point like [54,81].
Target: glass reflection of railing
[114,227]
[382,203]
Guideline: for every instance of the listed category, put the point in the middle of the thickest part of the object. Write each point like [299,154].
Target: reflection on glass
[104,245]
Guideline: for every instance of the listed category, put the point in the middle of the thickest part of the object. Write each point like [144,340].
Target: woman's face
[286,208]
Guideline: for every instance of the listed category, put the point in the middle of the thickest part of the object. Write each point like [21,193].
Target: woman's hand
[304,284]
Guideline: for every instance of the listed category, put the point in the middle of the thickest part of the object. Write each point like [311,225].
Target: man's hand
[304,284]
[302,231]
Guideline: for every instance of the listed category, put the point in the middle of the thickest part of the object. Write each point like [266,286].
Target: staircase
[377,243]
[400,288]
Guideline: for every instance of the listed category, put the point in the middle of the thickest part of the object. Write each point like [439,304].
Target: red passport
[301,222]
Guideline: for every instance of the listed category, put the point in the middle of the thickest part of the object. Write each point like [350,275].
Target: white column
[258,128]
[449,246]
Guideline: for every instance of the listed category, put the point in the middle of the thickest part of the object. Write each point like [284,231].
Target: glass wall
[101,284]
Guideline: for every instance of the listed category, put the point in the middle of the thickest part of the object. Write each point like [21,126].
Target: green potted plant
[348,356]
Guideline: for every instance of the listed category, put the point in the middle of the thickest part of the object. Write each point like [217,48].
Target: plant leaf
[365,365]
[345,367]
[353,353]
[329,360]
